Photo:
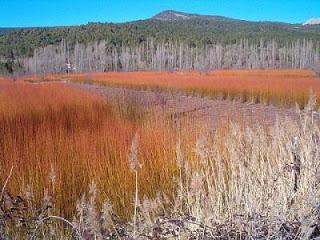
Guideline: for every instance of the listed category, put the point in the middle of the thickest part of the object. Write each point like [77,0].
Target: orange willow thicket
[59,139]
[279,87]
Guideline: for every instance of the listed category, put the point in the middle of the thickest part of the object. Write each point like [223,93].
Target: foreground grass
[58,140]
[236,182]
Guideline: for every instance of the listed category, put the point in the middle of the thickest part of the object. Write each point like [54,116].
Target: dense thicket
[155,44]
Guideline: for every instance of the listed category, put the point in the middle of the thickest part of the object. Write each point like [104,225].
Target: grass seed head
[134,163]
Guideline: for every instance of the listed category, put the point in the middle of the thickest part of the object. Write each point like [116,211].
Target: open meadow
[137,155]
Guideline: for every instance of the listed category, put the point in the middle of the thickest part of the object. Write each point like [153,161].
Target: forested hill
[166,27]
[4,31]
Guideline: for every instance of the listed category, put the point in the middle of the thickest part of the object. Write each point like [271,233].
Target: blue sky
[23,13]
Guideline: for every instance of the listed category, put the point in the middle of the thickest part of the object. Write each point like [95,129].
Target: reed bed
[111,174]
[58,140]
[277,87]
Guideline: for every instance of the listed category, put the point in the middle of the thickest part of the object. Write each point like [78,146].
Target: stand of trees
[151,55]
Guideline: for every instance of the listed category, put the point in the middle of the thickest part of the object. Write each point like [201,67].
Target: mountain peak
[171,15]
[312,21]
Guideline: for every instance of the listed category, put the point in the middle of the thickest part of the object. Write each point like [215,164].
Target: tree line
[152,55]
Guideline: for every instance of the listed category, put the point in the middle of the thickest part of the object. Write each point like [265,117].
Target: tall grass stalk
[134,167]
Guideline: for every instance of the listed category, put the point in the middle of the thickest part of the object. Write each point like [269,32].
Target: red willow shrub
[278,87]
[58,139]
